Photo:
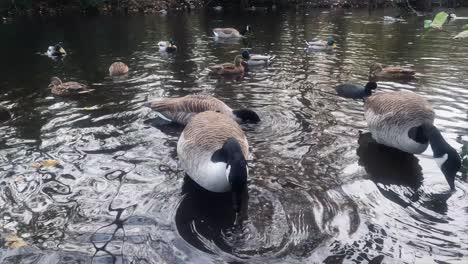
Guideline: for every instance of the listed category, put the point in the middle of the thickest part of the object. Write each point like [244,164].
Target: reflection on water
[319,190]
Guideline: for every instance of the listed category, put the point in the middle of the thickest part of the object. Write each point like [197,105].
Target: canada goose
[256,59]
[4,114]
[118,68]
[321,45]
[231,32]
[67,88]
[167,46]
[212,150]
[347,90]
[404,120]
[229,68]
[180,110]
[56,51]
[378,70]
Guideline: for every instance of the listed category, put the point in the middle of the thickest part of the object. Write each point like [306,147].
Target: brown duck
[379,71]
[235,68]
[68,88]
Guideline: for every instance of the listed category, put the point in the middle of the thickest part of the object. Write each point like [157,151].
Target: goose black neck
[438,144]
[369,87]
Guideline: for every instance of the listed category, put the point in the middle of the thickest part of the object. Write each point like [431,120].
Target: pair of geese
[213,149]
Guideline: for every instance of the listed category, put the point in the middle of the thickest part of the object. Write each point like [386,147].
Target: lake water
[320,191]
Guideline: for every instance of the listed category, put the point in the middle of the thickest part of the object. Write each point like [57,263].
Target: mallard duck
[213,150]
[321,45]
[118,68]
[167,46]
[256,59]
[378,70]
[56,51]
[4,114]
[405,121]
[180,110]
[229,68]
[231,32]
[348,90]
[68,88]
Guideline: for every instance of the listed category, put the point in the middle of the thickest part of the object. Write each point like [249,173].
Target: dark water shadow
[203,218]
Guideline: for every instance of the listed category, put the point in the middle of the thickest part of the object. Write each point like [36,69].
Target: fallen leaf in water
[14,241]
[439,20]
[462,34]
[45,163]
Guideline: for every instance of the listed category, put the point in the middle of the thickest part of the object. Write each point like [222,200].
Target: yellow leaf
[13,241]
[45,163]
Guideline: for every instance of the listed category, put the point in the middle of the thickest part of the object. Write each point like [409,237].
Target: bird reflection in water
[388,166]
[204,218]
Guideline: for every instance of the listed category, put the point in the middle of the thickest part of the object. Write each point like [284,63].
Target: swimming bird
[256,59]
[180,110]
[379,71]
[56,51]
[405,121]
[229,68]
[167,46]
[4,114]
[321,45]
[118,68]
[213,150]
[67,88]
[347,90]
[231,32]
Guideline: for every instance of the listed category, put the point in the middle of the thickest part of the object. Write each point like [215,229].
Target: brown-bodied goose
[180,110]
[212,150]
[230,32]
[67,88]
[404,120]
[118,68]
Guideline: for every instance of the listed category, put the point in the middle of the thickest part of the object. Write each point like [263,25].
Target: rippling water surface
[320,190]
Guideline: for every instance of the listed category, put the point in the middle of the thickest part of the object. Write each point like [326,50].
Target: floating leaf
[45,163]
[427,24]
[461,35]
[13,241]
[439,20]
[465,27]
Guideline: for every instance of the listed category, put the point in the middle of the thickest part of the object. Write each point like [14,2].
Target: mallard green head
[331,43]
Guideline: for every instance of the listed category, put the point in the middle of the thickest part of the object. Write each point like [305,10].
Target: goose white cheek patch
[441,160]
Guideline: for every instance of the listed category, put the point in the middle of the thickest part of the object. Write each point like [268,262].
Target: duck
[68,88]
[56,51]
[5,114]
[231,32]
[256,59]
[405,120]
[379,71]
[167,46]
[118,68]
[353,91]
[321,44]
[236,68]
[180,110]
[212,150]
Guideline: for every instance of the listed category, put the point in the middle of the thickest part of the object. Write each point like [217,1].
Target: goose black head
[369,87]
[446,156]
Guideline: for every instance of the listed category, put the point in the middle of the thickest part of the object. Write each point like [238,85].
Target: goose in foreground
[68,88]
[231,32]
[167,46]
[229,68]
[180,110]
[404,120]
[212,150]
[256,59]
[321,45]
[378,70]
[118,68]
[56,51]
[347,90]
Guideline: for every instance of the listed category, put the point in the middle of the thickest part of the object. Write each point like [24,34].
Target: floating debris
[14,241]
[46,163]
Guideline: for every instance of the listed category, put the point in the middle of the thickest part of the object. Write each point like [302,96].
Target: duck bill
[334,46]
